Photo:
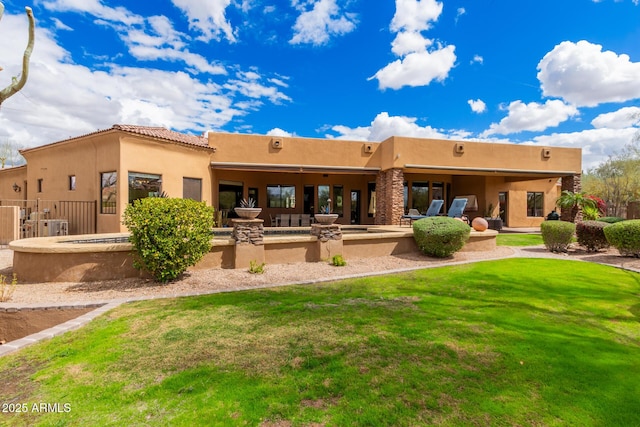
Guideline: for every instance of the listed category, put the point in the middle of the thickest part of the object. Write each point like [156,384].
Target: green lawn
[519,239]
[509,342]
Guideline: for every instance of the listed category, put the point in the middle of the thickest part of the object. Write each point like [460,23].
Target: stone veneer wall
[571,183]
[326,232]
[389,197]
[248,231]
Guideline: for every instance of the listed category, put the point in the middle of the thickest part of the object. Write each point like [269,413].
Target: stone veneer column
[249,237]
[571,183]
[329,240]
[389,197]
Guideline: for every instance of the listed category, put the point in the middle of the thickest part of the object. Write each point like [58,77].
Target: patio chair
[456,210]
[274,220]
[434,208]
[285,220]
[412,215]
[295,220]
[305,220]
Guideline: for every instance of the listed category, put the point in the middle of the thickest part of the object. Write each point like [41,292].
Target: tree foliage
[617,180]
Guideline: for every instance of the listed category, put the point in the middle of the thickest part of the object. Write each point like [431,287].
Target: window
[40,185]
[192,189]
[253,194]
[323,198]
[72,182]
[338,199]
[535,204]
[281,196]
[420,196]
[143,185]
[108,181]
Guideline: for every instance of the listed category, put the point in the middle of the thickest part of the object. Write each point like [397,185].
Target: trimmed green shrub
[557,235]
[338,261]
[590,234]
[610,219]
[625,237]
[440,236]
[168,235]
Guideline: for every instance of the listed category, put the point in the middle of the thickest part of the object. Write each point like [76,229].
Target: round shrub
[625,237]
[557,235]
[440,236]
[610,219]
[168,235]
[590,234]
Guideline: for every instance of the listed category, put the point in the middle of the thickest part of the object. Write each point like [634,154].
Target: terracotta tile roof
[166,134]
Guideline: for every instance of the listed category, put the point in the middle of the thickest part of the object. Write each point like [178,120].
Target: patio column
[329,240]
[389,197]
[249,237]
[571,183]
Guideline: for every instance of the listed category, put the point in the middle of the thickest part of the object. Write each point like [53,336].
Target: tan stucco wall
[172,161]
[479,157]
[10,176]
[240,148]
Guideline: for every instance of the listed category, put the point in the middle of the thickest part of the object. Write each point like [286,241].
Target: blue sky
[546,72]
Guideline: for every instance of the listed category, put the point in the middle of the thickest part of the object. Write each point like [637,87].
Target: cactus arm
[18,84]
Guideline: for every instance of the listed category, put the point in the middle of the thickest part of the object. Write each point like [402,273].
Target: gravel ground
[222,280]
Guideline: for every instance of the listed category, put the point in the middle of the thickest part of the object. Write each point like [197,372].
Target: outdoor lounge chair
[456,210]
[414,214]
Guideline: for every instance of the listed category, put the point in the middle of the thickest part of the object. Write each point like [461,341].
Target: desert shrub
[255,268]
[440,236]
[168,235]
[625,237]
[610,219]
[338,261]
[557,235]
[590,234]
[590,213]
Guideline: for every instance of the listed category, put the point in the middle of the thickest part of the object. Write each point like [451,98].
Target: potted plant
[326,217]
[247,209]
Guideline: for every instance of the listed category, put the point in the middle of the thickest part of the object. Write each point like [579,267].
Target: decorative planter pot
[494,223]
[325,219]
[248,213]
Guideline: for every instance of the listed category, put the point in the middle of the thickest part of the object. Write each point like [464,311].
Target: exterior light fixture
[16,187]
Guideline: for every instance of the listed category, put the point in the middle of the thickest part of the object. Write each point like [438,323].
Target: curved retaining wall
[53,259]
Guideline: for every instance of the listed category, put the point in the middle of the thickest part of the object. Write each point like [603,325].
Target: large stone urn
[325,219]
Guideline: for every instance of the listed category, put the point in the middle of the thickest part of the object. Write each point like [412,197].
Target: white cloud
[95,8]
[209,17]
[325,19]
[415,15]
[596,144]
[477,106]
[461,11]
[94,99]
[279,132]
[417,69]
[419,63]
[623,118]
[408,42]
[582,74]
[477,59]
[385,126]
[532,117]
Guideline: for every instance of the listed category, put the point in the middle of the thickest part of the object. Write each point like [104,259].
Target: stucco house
[367,182]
